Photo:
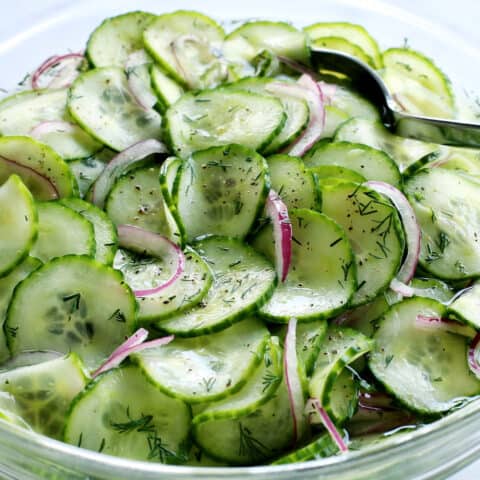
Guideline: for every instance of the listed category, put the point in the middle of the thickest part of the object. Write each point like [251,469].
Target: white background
[446,30]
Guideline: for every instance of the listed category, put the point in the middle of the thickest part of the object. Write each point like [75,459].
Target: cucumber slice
[42,170]
[334,117]
[22,112]
[198,121]
[184,44]
[404,151]
[123,414]
[364,318]
[18,224]
[10,412]
[370,163]
[356,34]
[426,369]
[221,191]
[105,232]
[261,386]
[322,447]
[198,458]
[342,399]
[43,392]
[310,336]
[280,38]
[100,101]
[249,439]
[297,111]
[321,280]
[72,303]
[145,272]
[432,288]
[341,347]
[343,45]
[209,367]
[62,231]
[168,174]
[243,281]
[374,230]
[136,199]
[411,76]
[353,104]
[466,306]
[87,170]
[116,38]
[294,184]
[167,90]
[333,173]
[7,285]
[447,207]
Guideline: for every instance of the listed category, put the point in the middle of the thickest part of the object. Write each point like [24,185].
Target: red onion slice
[282,233]
[140,240]
[401,288]
[65,75]
[306,89]
[292,379]
[133,344]
[473,354]
[444,324]
[119,164]
[328,90]
[410,225]
[142,92]
[328,424]
[37,178]
[47,127]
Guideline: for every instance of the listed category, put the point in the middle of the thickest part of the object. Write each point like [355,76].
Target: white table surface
[26,25]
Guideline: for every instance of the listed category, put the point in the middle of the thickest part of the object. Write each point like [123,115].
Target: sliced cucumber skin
[421,373]
[355,33]
[199,390]
[297,111]
[71,274]
[186,22]
[340,348]
[114,389]
[449,249]
[322,447]
[136,199]
[7,286]
[36,383]
[196,322]
[197,107]
[378,246]
[118,25]
[62,231]
[18,224]
[116,133]
[305,294]
[221,191]
[259,389]
[466,307]
[271,426]
[177,297]
[295,185]
[371,163]
[33,155]
[75,145]
[106,238]
[404,151]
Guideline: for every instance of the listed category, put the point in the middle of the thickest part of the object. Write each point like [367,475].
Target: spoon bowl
[369,83]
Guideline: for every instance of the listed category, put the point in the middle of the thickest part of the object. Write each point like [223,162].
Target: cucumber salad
[211,254]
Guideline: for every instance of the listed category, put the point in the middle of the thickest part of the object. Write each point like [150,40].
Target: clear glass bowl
[445,31]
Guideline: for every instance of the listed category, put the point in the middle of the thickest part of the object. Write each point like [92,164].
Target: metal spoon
[370,84]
